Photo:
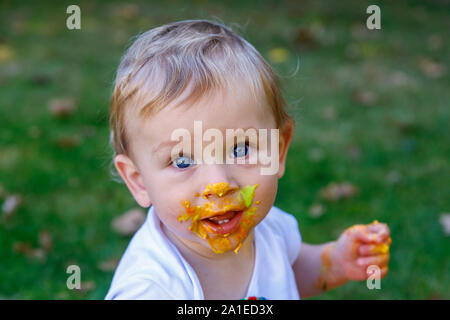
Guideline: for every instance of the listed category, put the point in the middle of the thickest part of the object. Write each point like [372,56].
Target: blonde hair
[201,54]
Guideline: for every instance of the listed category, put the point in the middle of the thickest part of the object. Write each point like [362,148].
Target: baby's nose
[219,181]
[219,189]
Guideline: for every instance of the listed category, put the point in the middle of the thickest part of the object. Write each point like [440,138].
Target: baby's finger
[380,229]
[363,235]
[372,249]
[384,271]
[379,260]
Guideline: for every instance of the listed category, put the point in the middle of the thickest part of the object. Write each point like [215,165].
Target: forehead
[231,108]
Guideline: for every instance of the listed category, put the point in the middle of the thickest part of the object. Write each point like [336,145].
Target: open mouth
[224,223]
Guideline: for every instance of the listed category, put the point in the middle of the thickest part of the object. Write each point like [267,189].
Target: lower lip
[224,228]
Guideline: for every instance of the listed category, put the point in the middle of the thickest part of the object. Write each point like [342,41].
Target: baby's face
[210,205]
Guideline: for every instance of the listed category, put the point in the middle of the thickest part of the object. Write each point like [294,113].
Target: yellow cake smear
[242,201]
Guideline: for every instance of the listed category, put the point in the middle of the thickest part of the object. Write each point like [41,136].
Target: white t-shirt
[153,268]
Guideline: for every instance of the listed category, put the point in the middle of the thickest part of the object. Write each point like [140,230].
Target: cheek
[168,205]
[265,195]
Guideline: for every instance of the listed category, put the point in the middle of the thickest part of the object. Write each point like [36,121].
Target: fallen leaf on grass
[431,68]
[434,296]
[37,254]
[278,55]
[68,142]
[316,210]
[401,79]
[6,53]
[62,107]
[336,191]
[25,248]
[86,286]
[108,265]
[129,222]
[364,97]
[21,247]
[444,219]
[306,38]
[45,240]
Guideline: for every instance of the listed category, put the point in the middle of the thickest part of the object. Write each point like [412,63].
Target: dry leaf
[431,68]
[278,55]
[434,296]
[305,38]
[37,254]
[364,97]
[444,219]
[86,286]
[129,222]
[108,265]
[25,248]
[62,107]
[68,142]
[45,240]
[316,210]
[401,79]
[336,191]
[21,247]
[6,53]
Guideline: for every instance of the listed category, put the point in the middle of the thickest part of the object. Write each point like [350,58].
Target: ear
[286,134]
[133,179]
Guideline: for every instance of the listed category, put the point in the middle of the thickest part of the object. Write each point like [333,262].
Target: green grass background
[402,170]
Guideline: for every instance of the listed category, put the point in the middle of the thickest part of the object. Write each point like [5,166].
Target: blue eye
[240,150]
[182,162]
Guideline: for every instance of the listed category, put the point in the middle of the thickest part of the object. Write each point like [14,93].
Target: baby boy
[201,134]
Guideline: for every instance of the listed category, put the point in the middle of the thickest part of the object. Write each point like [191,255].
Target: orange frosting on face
[229,241]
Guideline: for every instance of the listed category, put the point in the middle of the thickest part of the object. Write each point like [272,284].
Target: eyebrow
[165,144]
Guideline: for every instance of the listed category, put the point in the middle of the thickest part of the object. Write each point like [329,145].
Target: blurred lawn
[371,108]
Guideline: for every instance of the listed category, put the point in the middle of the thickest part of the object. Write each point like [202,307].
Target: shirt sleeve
[144,290]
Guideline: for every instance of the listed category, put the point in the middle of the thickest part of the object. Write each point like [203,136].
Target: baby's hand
[360,246]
